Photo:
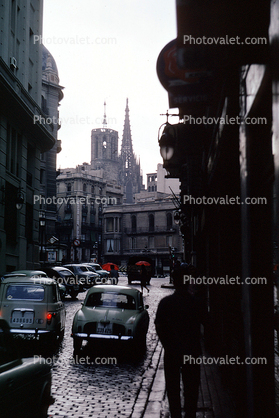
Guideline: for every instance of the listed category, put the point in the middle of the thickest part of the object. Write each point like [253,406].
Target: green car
[36,274]
[32,307]
[25,384]
[110,313]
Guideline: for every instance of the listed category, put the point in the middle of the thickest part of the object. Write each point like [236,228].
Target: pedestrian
[114,274]
[143,278]
[177,322]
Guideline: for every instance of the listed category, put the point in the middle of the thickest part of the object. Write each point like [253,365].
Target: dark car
[98,269]
[87,278]
[25,384]
[66,277]
[133,270]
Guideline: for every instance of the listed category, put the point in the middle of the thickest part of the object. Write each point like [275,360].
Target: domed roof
[49,67]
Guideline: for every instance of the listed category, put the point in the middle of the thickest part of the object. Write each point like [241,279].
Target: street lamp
[167,141]
[42,223]
[176,217]
[19,199]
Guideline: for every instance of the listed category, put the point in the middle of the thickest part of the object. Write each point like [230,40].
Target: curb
[149,400]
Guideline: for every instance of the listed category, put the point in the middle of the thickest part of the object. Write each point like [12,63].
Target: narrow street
[109,389]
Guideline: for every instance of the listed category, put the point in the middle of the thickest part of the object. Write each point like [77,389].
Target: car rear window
[25,292]
[114,300]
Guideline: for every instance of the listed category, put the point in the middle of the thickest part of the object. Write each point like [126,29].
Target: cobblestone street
[105,390]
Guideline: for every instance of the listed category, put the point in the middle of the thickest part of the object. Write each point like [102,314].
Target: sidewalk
[214,401]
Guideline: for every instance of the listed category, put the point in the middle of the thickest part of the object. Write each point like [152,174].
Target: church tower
[130,176]
[104,150]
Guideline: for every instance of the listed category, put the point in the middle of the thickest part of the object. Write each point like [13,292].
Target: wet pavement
[117,387]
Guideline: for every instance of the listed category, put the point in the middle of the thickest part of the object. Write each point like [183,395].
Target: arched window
[84,187]
[134,223]
[151,222]
[169,221]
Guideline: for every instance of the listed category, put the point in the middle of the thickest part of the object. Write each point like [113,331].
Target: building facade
[23,139]
[51,96]
[158,181]
[82,195]
[145,227]
[231,154]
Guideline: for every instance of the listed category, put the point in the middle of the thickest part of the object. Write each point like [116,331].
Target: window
[151,242]
[13,15]
[13,154]
[31,152]
[110,299]
[133,243]
[84,187]
[169,221]
[169,240]
[24,292]
[10,221]
[151,222]
[42,176]
[109,224]
[134,223]
[110,245]
[29,223]
[69,187]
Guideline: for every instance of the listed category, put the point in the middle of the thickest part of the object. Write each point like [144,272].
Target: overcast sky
[107,50]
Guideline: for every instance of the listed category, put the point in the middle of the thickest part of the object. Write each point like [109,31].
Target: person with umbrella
[114,274]
[143,278]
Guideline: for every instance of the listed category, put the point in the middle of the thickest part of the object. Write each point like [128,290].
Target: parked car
[25,384]
[111,313]
[32,307]
[105,276]
[98,269]
[66,277]
[87,278]
[133,271]
[35,274]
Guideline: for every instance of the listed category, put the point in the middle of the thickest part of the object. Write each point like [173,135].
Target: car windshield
[25,292]
[82,268]
[108,300]
[97,267]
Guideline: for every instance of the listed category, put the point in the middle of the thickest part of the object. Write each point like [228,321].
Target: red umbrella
[107,266]
[143,263]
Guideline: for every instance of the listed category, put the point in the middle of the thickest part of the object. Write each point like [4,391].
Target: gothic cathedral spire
[130,170]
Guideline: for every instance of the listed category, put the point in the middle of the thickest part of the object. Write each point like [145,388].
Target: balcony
[146,230]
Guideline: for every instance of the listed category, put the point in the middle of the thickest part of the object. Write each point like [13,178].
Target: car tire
[139,346]
[61,335]
[77,345]
[45,402]
[73,294]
